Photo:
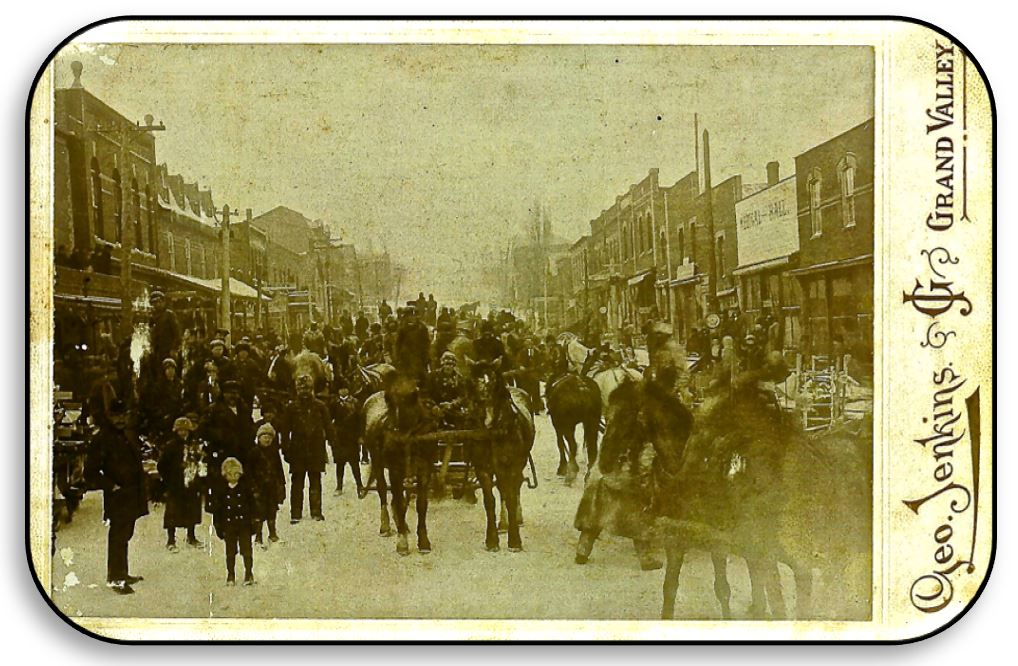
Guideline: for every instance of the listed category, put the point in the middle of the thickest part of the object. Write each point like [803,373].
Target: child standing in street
[233,516]
[346,446]
[182,469]
[268,481]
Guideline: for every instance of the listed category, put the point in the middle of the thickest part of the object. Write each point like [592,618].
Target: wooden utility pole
[224,288]
[712,261]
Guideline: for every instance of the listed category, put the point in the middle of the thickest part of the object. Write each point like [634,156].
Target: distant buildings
[797,251]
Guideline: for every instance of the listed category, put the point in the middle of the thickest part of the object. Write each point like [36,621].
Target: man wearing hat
[164,400]
[244,370]
[228,429]
[305,425]
[115,463]
[164,331]
[488,348]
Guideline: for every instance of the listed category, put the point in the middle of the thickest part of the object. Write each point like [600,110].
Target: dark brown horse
[574,400]
[394,419]
[499,460]
[746,481]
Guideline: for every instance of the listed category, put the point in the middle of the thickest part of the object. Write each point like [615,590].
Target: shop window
[815,211]
[846,177]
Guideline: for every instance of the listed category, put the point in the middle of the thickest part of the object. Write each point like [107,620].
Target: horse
[574,400]
[499,459]
[753,483]
[744,481]
[393,418]
[367,380]
[607,378]
[619,487]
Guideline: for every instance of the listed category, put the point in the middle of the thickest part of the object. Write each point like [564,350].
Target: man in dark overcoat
[228,429]
[115,464]
[305,426]
[164,332]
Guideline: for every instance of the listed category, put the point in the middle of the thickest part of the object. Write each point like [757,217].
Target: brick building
[834,197]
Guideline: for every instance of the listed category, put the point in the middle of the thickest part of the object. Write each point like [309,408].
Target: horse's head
[402,397]
[644,412]
[487,379]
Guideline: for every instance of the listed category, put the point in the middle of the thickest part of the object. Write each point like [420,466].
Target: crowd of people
[221,416]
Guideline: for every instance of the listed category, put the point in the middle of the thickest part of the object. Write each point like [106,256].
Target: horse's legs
[560,440]
[590,430]
[503,514]
[399,507]
[585,545]
[573,467]
[775,597]
[423,483]
[513,503]
[671,586]
[803,592]
[722,590]
[491,532]
[385,528]
[758,587]
[645,553]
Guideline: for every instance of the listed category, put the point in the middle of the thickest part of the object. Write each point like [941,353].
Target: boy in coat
[268,481]
[182,469]
[346,424]
[233,515]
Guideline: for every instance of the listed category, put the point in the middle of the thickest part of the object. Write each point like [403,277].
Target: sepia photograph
[467,331]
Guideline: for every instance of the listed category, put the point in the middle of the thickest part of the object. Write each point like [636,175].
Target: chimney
[76,69]
[772,173]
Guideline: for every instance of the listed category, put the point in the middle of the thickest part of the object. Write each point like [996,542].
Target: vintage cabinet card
[511,330]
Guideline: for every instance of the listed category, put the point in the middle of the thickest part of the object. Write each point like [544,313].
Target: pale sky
[437,153]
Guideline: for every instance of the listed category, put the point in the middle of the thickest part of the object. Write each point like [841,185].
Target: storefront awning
[767,264]
[101,302]
[833,265]
[692,279]
[640,277]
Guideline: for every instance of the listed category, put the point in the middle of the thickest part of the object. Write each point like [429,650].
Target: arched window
[846,178]
[187,256]
[97,200]
[139,236]
[153,244]
[815,212]
[682,246]
[626,242]
[118,207]
[662,243]
[650,232]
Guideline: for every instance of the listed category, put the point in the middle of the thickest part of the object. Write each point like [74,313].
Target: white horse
[607,379]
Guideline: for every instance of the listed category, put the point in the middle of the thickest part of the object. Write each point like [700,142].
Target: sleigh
[453,472]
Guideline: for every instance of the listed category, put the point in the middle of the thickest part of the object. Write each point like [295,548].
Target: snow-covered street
[341,568]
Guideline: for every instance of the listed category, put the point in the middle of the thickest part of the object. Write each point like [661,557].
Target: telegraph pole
[712,266]
[120,134]
[224,288]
